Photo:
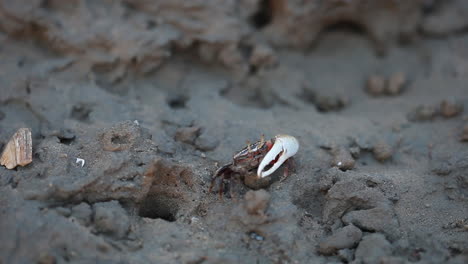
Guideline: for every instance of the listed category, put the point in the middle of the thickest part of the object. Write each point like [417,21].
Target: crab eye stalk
[285,146]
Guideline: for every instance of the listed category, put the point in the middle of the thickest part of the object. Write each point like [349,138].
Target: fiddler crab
[264,157]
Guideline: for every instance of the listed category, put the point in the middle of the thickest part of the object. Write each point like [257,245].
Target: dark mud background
[153,94]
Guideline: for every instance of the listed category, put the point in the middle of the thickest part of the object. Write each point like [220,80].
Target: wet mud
[154,96]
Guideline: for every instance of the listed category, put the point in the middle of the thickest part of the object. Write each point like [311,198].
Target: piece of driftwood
[18,150]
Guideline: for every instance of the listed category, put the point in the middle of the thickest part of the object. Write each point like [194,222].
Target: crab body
[262,155]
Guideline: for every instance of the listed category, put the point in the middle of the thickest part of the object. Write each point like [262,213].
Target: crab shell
[285,146]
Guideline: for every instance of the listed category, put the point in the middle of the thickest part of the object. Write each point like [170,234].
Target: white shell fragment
[18,150]
[285,146]
[80,162]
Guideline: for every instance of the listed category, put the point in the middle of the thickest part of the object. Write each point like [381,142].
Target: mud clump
[377,85]
[111,219]
[382,151]
[83,213]
[346,195]
[256,202]
[379,219]
[206,142]
[448,108]
[372,248]
[343,238]
[252,212]
[342,159]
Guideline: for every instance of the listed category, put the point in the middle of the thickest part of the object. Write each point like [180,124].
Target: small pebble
[256,236]
[423,113]
[382,151]
[187,134]
[396,83]
[375,85]
[450,108]
[331,103]
[464,135]
[342,159]
[355,152]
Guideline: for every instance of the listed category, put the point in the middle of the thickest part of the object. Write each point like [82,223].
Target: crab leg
[285,146]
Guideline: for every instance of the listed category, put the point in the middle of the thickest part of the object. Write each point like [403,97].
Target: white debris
[136,122]
[80,161]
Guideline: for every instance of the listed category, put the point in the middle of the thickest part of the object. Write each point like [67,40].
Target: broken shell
[18,150]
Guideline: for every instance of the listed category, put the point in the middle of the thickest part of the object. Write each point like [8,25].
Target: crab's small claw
[285,146]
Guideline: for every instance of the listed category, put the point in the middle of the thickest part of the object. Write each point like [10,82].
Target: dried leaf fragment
[18,150]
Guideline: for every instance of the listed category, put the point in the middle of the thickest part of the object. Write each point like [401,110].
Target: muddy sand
[154,96]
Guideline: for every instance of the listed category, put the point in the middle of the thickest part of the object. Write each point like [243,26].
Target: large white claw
[285,146]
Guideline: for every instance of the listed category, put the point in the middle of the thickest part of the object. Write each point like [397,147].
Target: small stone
[464,134]
[373,247]
[396,83]
[450,108]
[18,150]
[375,85]
[423,113]
[187,134]
[331,103]
[342,238]
[382,151]
[342,159]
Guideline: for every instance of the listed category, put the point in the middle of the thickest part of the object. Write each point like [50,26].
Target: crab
[262,157]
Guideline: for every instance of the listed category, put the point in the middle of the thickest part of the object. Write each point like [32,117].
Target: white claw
[285,146]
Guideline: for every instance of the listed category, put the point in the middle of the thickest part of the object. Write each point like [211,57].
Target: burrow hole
[119,139]
[177,101]
[156,206]
[263,16]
